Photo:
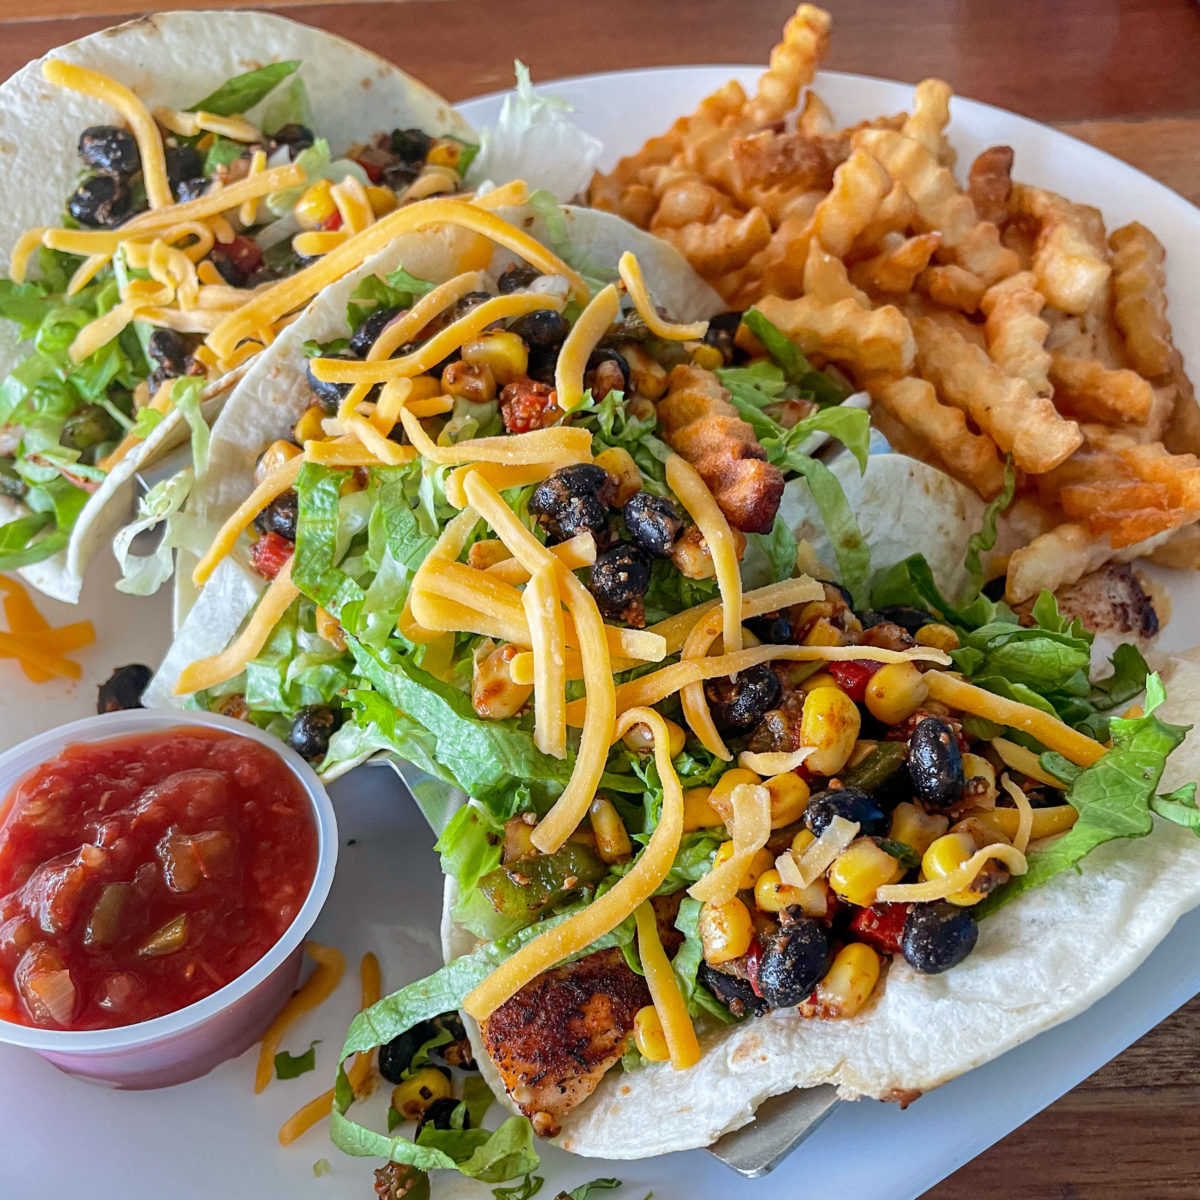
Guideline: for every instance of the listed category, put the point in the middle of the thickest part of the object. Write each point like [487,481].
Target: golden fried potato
[1094,392]
[717,247]
[770,158]
[1016,333]
[815,120]
[970,457]
[896,267]
[864,341]
[793,64]
[930,116]
[953,287]
[1069,258]
[825,279]
[1020,423]
[859,186]
[941,206]
[1181,549]
[989,183]
[689,201]
[1140,298]
[895,214]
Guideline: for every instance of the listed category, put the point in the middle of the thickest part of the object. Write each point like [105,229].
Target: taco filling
[181,216]
[531,532]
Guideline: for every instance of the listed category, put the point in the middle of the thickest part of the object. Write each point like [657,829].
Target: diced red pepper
[753,955]
[244,253]
[333,221]
[269,554]
[881,926]
[374,170]
[527,405]
[853,675]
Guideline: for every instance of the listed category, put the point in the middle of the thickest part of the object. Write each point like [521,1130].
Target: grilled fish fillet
[553,1041]
[699,424]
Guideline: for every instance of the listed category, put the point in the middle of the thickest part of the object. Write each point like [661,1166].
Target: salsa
[140,874]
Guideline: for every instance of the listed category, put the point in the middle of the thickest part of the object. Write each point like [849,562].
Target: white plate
[213,1137]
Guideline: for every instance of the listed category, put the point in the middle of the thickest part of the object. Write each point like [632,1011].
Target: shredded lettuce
[288,105]
[798,371]
[1115,798]
[317,164]
[984,538]
[397,290]
[243,92]
[292,1066]
[144,574]
[535,140]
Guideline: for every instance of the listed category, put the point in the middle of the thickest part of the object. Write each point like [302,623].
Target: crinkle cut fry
[1140,298]
[865,341]
[969,457]
[940,205]
[1094,392]
[894,270]
[930,116]
[1004,408]
[1016,333]
[989,183]
[1070,259]
[793,64]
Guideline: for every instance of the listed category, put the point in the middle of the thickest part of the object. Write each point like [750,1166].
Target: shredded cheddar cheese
[775,762]
[630,271]
[558,445]
[684,480]
[695,703]
[608,911]
[820,856]
[543,611]
[1024,761]
[1024,828]
[591,325]
[664,992]
[957,881]
[749,827]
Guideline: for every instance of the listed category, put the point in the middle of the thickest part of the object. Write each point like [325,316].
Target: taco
[117,261]
[707,857]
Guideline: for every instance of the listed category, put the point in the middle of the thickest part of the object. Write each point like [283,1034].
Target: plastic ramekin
[188,1043]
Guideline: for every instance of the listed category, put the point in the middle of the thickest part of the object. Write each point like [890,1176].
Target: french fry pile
[988,321]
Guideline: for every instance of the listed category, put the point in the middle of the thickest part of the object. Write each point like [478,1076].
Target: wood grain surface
[1121,74]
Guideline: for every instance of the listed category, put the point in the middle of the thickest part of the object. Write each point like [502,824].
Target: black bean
[411,146]
[793,962]
[398,176]
[721,330]
[123,688]
[908,618]
[620,577]
[367,334]
[738,704]
[110,148]
[183,162]
[190,189]
[938,936]
[517,278]
[101,201]
[935,764]
[312,727]
[774,628]
[280,516]
[294,137]
[573,500]
[329,395]
[542,363]
[653,522]
[395,1057]
[439,1115]
[849,803]
[607,371]
[544,327]
[733,991]
[169,352]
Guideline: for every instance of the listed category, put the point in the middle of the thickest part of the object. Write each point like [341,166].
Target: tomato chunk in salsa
[139,875]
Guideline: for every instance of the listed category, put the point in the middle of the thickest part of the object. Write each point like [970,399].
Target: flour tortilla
[173,60]
[1044,958]
[274,394]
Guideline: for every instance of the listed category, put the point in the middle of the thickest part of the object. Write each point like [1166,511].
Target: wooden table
[1122,74]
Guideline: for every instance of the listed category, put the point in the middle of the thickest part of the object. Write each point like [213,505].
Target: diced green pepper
[877,768]
[171,937]
[104,924]
[524,889]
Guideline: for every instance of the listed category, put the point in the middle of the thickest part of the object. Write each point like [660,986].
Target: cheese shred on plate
[604,914]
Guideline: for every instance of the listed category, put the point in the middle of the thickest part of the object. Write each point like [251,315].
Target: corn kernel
[1134,713]
[470,381]
[823,633]
[946,855]
[861,869]
[721,797]
[646,377]
[940,637]
[487,553]
[789,798]
[425,387]
[981,778]
[895,692]
[412,1096]
[708,357]
[726,930]
[330,629]
[518,837]
[640,739]
[802,841]
[444,153]
[771,894]
[1001,823]
[763,860]
[612,840]
[648,1035]
[847,985]
[310,427]
[829,722]
[494,695]
[315,206]
[382,200]
[618,462]
[819,680]
[916,828]
[273,457]
[698,813]
[503,352]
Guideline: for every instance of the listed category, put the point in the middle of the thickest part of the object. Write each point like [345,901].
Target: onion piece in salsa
[140,874]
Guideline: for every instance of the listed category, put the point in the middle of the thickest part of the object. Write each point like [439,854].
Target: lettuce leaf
[243,92]
[399,289]
[144,574]
[798,371]
[1115,798]
[984,538]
